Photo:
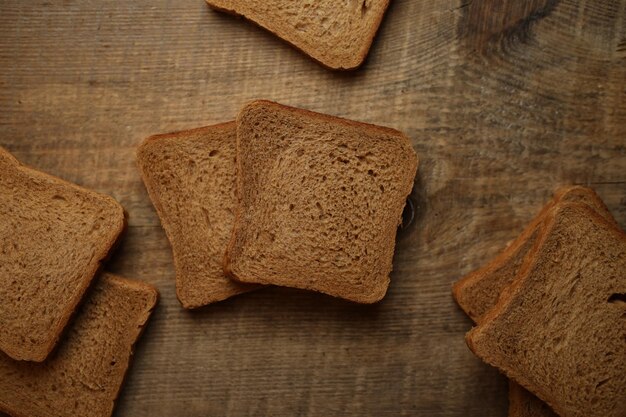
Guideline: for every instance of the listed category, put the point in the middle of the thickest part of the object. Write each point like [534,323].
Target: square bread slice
[191,180]
[336,34]
[559,330]
[320,200]
[84,376]
[53,237]
[479,291]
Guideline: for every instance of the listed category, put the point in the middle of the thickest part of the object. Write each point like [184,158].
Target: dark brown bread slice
[478,292]
[53,237]
[320,200]
[84,376]
[524,404]
[336,34]
[559,330]
[191,179]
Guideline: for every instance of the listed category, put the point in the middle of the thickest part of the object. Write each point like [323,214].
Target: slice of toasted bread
[336,34]
[84,376]
[191,179]
[53,237]
[478,291]
[559,329]
[320,200]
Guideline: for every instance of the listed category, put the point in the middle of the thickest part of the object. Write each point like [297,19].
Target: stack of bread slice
[282,196]
[66,331]
[551,311]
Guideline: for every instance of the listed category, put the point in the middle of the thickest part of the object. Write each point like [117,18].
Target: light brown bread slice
[53,237]
[560,329]
[320,200]
[337,34]
[190,177]
[524,404]
[84,376]
[478,292]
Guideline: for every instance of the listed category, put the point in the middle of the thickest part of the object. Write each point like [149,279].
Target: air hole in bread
[618,299]
[604,381]
[213,152]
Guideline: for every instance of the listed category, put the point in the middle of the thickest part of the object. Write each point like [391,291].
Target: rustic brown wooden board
[504,101]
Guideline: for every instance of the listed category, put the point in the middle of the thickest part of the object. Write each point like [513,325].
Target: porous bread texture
[320,200]
[559,329]
[336,33]
[479,291]
[84,376]
[191,179]
[53,237]
[523,404]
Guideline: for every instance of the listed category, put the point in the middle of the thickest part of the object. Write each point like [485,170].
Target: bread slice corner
[478,292]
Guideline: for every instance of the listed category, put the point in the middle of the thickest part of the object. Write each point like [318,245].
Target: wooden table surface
[504,100]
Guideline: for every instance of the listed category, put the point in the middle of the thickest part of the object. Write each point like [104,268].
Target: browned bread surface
[559,329]
[53,237]
[84,376]
[478,291]
[191,179]
[336,34]
[320,200]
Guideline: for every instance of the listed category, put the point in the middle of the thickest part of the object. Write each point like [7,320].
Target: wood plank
[504,101]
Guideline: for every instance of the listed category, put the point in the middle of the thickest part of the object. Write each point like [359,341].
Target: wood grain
[504,101]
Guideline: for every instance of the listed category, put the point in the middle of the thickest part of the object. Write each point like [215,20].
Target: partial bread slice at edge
[521,402]
[320,200]
[55,235]
[478,292]
[312,33]
[565,349]
[85,375]
[191,179]
[524,404]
